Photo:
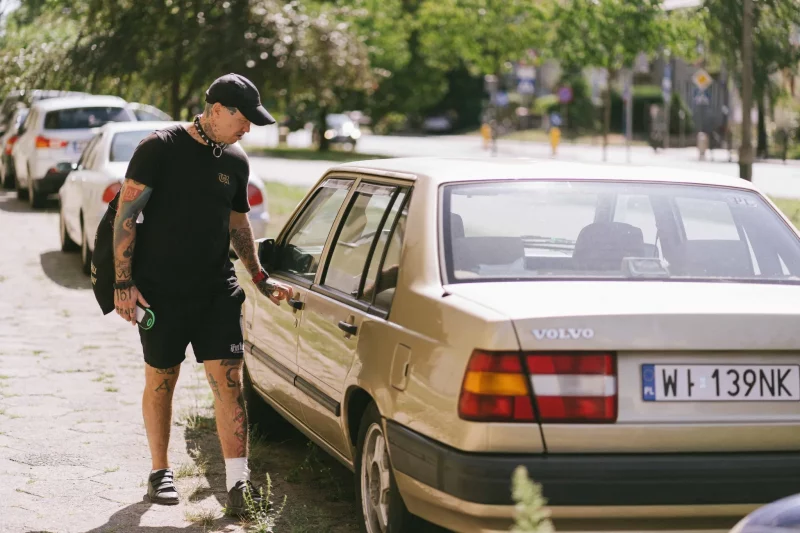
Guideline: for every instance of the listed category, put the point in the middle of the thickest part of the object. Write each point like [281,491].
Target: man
[190,184]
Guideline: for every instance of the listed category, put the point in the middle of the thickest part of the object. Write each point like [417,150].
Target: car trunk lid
[698,366]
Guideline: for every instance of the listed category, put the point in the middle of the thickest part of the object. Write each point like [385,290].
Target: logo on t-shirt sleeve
[224,178]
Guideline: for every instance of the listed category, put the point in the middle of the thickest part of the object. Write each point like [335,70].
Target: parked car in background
[7,140]
[628,334]
[148,113]
[95,179]
[26,98]
[57,131]
[341,130]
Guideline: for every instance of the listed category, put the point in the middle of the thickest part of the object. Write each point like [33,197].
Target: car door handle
[297,305]
[347,327]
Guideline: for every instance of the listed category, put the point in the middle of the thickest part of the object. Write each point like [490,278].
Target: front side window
[303,247]
[610,230]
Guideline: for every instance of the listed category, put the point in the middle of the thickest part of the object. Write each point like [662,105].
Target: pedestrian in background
[190,183]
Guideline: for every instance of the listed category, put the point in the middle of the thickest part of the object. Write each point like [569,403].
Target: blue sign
[565,95]
[649,383]
[526,86]
[555,119]
[701,97]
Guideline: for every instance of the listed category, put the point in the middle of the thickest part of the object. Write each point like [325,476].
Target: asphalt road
[774,178]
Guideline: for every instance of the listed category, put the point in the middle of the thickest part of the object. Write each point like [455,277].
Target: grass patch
[195,469]
[311,154]
[111,389]
[103,377]
[2,411]
[198,422]
[108,470]
[201,516]
[2,279]
[38,352]
[315,467]
[790,208]
[305,519]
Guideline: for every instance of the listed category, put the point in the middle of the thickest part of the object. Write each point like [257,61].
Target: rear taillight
[495,389]
[110,192]
[44,142]
[568,387]
[10,144]
[574,387]
[254,195]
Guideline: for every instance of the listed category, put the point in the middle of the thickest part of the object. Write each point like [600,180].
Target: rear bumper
[50,183]
[598,480]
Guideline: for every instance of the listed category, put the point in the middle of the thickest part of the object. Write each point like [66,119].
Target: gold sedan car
[631,335]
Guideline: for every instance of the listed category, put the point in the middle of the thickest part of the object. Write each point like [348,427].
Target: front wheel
[382,507]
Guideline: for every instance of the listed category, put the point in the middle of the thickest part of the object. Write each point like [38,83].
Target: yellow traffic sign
[702,79]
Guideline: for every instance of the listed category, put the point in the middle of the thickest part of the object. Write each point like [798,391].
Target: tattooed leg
[225,378]
[157,410]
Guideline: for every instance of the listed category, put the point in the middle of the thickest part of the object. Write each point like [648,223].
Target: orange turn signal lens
[495,384]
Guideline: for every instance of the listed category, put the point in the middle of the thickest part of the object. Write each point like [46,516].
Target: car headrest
[603,245]
[456,226]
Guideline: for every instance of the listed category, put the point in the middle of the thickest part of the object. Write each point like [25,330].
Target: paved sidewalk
[73,451]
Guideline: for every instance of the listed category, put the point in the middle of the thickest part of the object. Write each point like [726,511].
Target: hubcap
[375,476]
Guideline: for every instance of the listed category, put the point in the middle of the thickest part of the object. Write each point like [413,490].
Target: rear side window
[124,144]
[84,117]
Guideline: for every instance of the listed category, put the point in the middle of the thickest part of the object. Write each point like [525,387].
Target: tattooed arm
[132,200]
[244,245]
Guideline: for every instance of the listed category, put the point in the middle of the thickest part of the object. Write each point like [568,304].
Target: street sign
[701,96]
[565,95]
[702,79]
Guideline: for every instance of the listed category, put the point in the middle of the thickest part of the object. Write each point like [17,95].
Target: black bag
[103,276]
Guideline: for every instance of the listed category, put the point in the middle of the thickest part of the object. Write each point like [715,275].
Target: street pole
[746,149]
[628,113]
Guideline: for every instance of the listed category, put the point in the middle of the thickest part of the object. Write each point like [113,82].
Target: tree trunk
[762,148]
[177,67]
[746,148]
[607,113]
[322,126]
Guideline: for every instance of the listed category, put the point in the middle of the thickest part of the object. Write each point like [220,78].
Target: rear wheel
[8,176]
[67,244]
[382,507]
[86,253]
[35,198]
[262,418]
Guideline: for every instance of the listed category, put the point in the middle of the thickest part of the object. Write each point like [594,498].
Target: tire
[391,516]
[262,418]
[67,244]
[22,194]
[8,178]
[86,254]
[35,199]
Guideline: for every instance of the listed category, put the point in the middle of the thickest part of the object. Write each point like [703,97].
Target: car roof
[441,170]
[71,102]
[138,125]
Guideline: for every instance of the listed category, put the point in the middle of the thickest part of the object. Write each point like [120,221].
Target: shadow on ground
[65,270]
[11,204]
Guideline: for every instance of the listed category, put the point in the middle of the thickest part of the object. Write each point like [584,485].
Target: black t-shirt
[182,246]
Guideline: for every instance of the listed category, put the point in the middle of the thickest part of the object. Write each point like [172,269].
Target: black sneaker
[237,506]
[161,487]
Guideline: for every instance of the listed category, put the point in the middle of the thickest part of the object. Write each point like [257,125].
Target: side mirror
[266,253]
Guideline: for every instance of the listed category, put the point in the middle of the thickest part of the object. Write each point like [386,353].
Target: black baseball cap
[234,90]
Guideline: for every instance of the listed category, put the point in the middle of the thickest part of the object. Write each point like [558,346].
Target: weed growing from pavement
[3,376]
[202,516]
[111,389]
[198,468]
[108,470]
[262,517]
[198,422]
[103,377]
[2,411]
[531,515]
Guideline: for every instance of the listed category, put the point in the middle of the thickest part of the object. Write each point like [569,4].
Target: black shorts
[211,325]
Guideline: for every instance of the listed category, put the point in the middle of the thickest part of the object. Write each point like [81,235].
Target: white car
[56,131]
[94,181]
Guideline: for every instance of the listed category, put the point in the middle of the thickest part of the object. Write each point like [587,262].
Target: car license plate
[719,383]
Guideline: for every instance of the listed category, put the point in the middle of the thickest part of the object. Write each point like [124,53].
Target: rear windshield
[84,117]
[610,230]
[124,143]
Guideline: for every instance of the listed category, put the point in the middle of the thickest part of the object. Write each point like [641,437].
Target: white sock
[236,470]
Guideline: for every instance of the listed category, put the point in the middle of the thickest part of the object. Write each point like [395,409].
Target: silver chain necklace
[214,145]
